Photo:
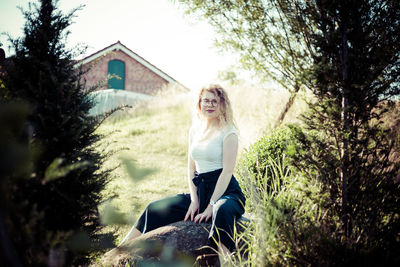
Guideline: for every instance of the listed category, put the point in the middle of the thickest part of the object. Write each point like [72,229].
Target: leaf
[56,171]
[111,215]
[135,173]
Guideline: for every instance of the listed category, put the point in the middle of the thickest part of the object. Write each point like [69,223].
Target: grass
[154,136]
[275,212]
[153,139]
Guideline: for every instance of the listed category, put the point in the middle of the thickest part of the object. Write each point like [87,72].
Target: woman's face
[209,105]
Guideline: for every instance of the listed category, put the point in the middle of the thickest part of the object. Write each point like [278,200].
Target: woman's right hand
[192,210]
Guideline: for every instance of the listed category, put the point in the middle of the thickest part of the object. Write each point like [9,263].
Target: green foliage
[229,76]
[279,211]
[346,53]
[373,199]
[159,155]
[261,34]
[55,170]
[56,198]
[262,157]
[134,173]
[343,145]
[271,37]
[280,200]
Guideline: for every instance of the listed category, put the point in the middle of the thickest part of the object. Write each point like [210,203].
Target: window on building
[116,68]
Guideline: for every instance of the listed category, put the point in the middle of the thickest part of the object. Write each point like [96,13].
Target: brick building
[134,72]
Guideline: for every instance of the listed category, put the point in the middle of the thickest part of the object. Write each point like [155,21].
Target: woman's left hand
[205,215]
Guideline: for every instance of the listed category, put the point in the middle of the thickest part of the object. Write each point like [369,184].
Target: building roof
[119,46]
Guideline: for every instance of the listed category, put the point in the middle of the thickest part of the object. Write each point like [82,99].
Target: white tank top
[207,154]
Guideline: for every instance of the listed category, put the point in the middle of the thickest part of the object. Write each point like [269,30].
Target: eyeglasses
[207,102]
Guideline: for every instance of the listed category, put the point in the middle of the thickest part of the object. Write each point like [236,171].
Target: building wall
[138,78]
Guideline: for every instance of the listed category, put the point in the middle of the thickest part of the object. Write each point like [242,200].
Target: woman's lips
[210,110]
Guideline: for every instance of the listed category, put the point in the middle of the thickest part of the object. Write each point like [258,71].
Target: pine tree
[53,209]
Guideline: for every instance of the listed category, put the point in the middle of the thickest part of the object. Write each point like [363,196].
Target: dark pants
[173,209]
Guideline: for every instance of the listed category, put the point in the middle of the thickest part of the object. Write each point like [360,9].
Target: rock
[176,244]
[177,241]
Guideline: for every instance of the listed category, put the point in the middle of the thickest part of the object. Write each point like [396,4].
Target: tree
[14,157]
[51,208]
[346,53]
[356,74]
[268,37]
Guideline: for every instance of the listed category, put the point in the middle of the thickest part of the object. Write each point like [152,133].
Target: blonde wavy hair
[226,115]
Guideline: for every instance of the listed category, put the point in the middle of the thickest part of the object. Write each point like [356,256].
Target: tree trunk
[288,105]
[345,140]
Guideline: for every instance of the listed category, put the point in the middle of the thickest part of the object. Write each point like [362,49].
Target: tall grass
[155,136]
[275,210]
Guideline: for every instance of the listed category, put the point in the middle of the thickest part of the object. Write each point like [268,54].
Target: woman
[214,193]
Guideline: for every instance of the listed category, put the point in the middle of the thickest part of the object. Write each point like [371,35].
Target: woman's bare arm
[190,173]
[230,149]
[194,204]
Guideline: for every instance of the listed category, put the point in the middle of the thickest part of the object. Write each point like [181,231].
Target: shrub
[264,158]
[285,212]
[373,204]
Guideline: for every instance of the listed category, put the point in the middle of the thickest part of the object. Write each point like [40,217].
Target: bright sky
[157,30]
